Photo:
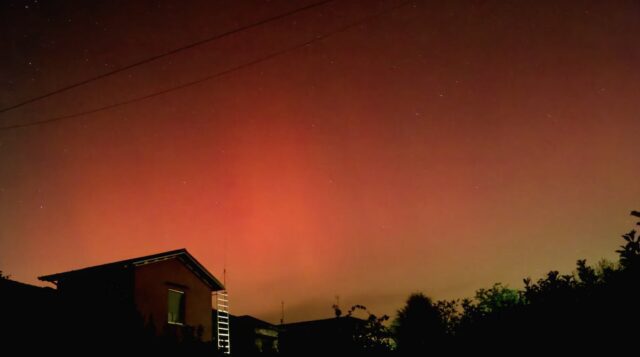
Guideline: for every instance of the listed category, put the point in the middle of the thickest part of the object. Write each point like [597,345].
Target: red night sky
[438,147]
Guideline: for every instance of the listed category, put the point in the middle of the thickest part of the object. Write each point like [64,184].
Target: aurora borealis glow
[441,147]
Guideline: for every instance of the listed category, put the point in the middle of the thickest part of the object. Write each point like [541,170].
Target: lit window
[176,307]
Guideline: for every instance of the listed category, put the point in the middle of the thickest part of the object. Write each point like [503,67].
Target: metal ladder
[224,337]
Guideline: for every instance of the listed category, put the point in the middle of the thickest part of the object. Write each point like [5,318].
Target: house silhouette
[168,293]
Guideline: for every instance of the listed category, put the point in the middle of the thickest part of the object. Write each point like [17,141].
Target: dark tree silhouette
[372,336]
[419,326]
[450,314]
[592,309]
[630,251]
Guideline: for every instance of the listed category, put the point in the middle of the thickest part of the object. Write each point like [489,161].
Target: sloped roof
[23,288]
[181,254]
[325,322]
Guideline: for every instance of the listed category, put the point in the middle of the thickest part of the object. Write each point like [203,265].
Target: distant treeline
[594,309]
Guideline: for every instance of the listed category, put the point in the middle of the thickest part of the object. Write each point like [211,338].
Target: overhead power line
[228,71]
[165,54]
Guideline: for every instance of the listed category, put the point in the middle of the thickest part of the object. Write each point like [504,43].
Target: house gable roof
[182,254]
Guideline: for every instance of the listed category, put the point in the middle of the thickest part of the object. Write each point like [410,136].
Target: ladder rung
[223,319]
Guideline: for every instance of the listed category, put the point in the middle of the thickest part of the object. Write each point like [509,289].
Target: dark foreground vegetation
[594,309]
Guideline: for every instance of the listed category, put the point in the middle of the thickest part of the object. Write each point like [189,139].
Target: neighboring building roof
[259,327]
[254,320]
[23,288]
[248,320]
[181,254]
[324,322]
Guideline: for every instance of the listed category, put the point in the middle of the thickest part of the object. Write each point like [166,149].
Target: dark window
[176,307]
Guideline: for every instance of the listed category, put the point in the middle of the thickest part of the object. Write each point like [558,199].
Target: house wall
[111,287]
[151,285]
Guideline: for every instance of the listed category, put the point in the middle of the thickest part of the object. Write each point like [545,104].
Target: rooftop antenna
[282,313]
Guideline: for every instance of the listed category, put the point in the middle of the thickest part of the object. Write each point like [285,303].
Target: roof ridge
[118,262]
[211,280]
